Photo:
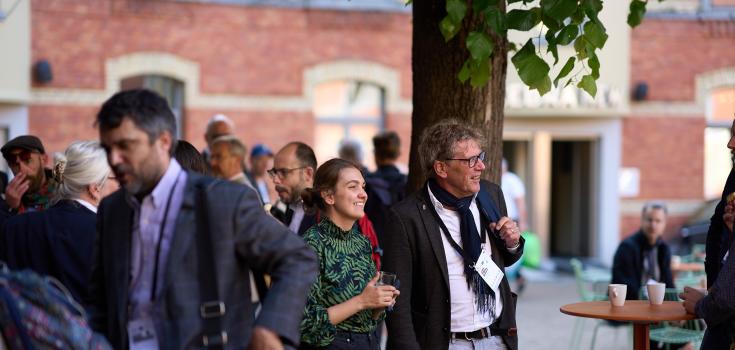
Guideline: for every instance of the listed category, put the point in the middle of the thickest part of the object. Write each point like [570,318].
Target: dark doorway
[572,198]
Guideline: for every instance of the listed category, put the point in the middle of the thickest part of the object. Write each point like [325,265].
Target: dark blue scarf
[471,245]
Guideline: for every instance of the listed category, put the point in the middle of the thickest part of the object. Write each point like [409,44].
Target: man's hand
[508,230]
[265,339]
[729,215]
[16,189]
[691,296]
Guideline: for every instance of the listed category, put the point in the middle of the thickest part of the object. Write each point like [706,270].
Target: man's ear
[44,159]
[440,169]
[309,173]
[167,142]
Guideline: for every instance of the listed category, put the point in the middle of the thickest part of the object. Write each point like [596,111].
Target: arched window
[171,89]
[720,107]
[347,109]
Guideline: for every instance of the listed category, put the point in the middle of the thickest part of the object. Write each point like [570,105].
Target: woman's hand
[377,297]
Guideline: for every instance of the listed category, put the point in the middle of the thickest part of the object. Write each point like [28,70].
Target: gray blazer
[718,308]
[243,236]
[414,251]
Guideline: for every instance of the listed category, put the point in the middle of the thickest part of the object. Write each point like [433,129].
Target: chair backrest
[585,293]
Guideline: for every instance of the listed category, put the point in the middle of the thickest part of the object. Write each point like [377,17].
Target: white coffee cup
[616,293]
[656,293]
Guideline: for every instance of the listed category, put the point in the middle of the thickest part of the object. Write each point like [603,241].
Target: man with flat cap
[32,185]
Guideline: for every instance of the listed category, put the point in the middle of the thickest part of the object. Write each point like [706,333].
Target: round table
[640,312]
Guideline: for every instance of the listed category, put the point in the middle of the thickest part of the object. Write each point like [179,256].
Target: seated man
[644,257]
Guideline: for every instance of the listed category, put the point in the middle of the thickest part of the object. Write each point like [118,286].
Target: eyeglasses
[12,159]
[282,172]
[471,161]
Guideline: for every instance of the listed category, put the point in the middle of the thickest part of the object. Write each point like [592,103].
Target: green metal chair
[591,286]
[672,332]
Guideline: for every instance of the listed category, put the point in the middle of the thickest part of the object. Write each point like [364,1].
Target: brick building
[322,70]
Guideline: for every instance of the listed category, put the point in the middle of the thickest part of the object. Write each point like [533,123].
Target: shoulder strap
[211,309]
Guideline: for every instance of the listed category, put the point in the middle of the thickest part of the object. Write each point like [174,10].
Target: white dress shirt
[298,216]
[464,314]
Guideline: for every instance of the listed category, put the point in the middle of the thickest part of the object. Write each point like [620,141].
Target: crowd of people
[169,247]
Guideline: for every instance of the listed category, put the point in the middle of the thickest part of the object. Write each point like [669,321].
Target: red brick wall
[241,49]
[668,55]
[669,153]
[631,223]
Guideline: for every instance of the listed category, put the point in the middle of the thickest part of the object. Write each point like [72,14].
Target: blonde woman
[59,241]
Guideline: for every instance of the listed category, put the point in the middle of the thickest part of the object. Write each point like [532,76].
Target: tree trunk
[438,94]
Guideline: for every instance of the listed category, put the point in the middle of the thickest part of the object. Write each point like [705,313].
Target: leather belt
[484,333]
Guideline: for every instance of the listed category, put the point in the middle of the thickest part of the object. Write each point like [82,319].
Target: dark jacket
[715,240]
[385,187]
[628,263]
[308,221]
[244,237]
[718,308]
[57,242]
[415,252]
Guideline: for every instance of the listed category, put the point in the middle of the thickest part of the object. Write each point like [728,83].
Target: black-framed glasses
[471,161]
[282,172]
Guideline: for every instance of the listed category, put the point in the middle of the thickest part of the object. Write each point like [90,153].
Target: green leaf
[562,9]
[567,34]
[580,46]
[551,23]
[524,20]
[480,45]
[565,70]
[448,28]
[479,6]
[531,68]
[551,46]
[543,86]
[495,20]
[464,73]
[595,34]
[588,84]
[637,12]
[592,8]
[578,16]
[594,64]
[481,74]
[456,9]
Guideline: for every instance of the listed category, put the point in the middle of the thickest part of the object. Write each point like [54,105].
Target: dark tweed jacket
[243,236]
[414,250]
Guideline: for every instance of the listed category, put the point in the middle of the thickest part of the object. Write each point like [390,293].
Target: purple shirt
[164,200]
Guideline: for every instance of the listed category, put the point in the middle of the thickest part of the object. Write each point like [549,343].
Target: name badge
[142,334]
[490,273]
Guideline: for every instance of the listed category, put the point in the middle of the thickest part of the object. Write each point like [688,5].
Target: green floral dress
[345,268]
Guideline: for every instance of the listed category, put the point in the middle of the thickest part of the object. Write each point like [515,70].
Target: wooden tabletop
[632,311]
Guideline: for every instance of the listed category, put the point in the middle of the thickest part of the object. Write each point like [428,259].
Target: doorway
[573,211]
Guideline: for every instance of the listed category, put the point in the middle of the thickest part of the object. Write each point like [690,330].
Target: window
[172,90]
[347,109]
[717,158]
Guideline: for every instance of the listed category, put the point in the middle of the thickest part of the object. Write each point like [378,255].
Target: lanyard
[452,242]
[160,238]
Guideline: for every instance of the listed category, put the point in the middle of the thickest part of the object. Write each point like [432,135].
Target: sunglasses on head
[23,155]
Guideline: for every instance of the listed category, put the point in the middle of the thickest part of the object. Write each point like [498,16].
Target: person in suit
[59,242]
[719,238]
[175,248]
[345,306]
[717,306]
[293,171]
[441,233]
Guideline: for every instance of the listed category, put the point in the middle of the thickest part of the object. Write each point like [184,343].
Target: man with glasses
[32,185]
[293,171]
[448,244]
